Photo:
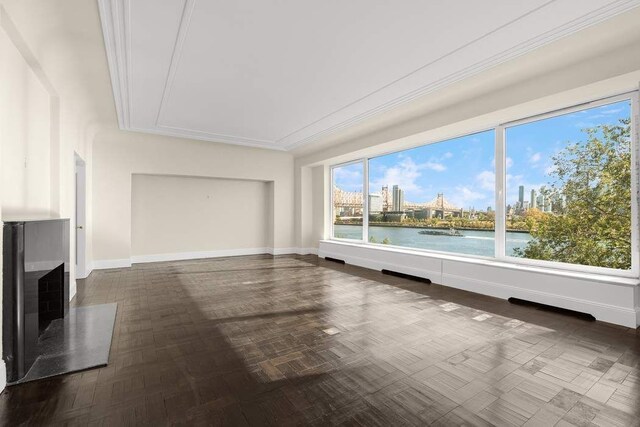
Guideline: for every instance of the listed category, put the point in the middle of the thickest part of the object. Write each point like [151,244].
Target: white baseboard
[282,251]
[3,376]
[111,263]
[293,251]
[179,256]
[307,251]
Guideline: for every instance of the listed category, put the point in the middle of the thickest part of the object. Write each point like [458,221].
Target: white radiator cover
[609,299]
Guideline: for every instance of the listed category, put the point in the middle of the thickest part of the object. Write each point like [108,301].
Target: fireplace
[50,297]
[35,288]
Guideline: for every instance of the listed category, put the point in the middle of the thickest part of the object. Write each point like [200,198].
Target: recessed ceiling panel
[280,74]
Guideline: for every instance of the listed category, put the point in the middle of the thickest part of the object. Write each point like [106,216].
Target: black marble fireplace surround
[35,288]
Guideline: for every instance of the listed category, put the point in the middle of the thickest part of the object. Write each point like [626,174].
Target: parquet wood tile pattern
[293,340]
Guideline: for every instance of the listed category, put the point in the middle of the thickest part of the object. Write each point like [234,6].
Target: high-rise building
[386,202]
[521,196]
[398,199]
[532,203]
[375,202]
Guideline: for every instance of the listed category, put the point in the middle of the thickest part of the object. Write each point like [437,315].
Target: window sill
[594,277]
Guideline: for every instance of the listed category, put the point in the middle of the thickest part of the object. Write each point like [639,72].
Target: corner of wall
[307,251]
[637,305]
[3,376]
[88,269]
[73,287]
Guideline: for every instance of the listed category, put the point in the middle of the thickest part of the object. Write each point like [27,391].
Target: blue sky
[463,168]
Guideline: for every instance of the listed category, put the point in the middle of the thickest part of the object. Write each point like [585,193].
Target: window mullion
[365,201]
[332,213]
[635,176]
[500,184]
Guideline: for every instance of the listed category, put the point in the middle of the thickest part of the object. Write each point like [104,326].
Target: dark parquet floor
[291,340]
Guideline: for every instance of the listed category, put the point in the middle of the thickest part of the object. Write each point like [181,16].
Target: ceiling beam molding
[113,22]
[232,73]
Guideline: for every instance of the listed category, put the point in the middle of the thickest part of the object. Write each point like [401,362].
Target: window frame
[634,271]
[500,192]
[424,250]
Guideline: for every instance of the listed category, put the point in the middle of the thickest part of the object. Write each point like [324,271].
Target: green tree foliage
[385,241]
[591,203]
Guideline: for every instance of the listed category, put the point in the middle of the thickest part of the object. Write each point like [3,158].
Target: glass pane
[569,188]
[347,201]
[439,196]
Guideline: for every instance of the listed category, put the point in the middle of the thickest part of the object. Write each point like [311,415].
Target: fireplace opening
[50,297]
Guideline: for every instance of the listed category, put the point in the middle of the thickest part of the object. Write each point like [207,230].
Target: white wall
[180,217]
[117,156]
[25,132]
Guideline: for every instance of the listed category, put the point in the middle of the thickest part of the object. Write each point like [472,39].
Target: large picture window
[439,196]
[568,184]
[559,189]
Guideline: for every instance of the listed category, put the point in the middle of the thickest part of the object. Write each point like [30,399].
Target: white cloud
[535,157]
[465,197]
[403,174]
[348,178]
[434,166]
[406,173]
[486,180]
[612,110]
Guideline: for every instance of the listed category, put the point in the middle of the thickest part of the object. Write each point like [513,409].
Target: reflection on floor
[296,340]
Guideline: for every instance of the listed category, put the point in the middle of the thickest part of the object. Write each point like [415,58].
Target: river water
[473,242]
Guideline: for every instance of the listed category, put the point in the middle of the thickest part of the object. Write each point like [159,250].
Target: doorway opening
[80,184]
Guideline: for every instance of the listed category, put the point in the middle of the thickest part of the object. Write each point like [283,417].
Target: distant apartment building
[398,199]
[521,196]
[532,203]
[376,204]
[386,199]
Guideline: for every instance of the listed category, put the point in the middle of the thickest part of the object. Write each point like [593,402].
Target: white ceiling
[283,73]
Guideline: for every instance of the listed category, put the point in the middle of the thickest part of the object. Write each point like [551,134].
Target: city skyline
[463,168]
[394,201]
